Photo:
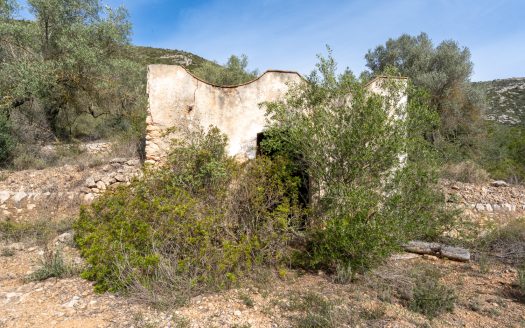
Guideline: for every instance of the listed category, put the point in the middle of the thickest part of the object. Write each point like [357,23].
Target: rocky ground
[485,287]
[485,299]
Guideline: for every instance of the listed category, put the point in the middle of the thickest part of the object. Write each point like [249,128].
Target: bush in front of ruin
[338,185]
[201,221]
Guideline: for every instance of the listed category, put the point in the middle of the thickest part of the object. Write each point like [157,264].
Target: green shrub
[7,252]
[232,73]
[429,296]
[503,154]
[41,230]
[6,140]
[364,203]
[521,279]
[200,222]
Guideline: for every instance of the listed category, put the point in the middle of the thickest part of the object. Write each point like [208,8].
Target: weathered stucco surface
[181,101]
[178,99]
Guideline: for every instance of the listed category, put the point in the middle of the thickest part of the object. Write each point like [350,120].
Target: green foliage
[506,100]
[365,202]
[6,140]
[7,252]
[521,279]
[507,242]
[232,73]
[466,171]
[444,71]
[504,153]
[52,265]
[429,296]
[203,221]
[39,230]
[69,64]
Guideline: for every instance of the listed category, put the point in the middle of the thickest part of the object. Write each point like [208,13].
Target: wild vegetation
[204,221]
[234,71]
[463,133]
[337,186]
[71,74]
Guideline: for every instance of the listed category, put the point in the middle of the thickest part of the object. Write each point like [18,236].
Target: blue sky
[287,34]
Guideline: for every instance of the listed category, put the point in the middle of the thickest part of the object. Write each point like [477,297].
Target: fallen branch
[437,249]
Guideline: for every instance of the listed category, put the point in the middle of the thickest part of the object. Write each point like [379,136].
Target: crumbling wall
[177,99]
[180,101]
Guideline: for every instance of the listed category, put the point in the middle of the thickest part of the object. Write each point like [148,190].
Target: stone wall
[496,197]
[182,101]
[178,99]
[58,192]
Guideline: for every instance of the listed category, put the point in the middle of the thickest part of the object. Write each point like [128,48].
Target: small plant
[316,311]
[375,313]
[521,279]
[7,252]
[343,274]
[429,296]
[319,315]
[507,242]
[40,231]
[484,263]
[52,265]
[246,300]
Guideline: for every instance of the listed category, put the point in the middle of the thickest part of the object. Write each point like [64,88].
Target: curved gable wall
[179,100]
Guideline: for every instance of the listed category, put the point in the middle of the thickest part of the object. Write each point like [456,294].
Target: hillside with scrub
[327,226]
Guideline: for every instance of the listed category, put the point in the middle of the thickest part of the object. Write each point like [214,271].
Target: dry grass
[467,171]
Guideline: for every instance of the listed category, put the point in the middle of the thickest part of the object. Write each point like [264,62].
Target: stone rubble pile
[119,171]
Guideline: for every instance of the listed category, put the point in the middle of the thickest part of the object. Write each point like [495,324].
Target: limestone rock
[19,196]
[101,185]
[120,177]
[65,238]
[90,182]
[499,183]
[4,196]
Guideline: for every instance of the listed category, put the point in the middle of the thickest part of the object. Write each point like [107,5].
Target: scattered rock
[118,161]
[101,185]
[4,196]
[74,301]
[90,182]
[19,196]
[65,238]
[499,183]
[120,178]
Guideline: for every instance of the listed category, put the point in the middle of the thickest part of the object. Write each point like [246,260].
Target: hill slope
[149,55]
[506,100]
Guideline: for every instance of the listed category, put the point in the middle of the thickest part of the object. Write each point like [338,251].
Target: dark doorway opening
[298,169]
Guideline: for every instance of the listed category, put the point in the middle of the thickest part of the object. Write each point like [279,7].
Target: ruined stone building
[179,100]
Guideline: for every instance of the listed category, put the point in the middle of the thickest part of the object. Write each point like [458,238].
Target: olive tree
[365,200]
[69,63]
[444,71]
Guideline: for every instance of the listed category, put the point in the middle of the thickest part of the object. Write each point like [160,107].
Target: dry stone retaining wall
[490,198]
[24,202]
